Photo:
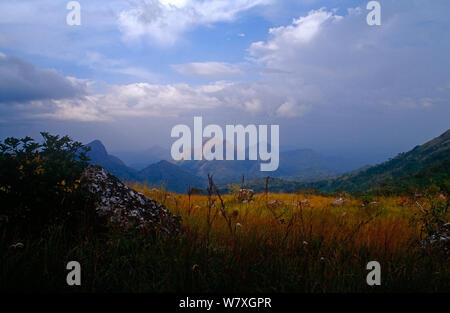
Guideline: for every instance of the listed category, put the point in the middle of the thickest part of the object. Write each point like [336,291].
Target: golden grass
[384,228]
[295,247]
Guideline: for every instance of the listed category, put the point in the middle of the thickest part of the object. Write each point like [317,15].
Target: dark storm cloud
[21,81]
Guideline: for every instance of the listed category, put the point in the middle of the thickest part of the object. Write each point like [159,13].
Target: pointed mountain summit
[172,176]
[100,156]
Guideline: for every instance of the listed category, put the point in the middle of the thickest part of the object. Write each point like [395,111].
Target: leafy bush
[433,209]
[39,182]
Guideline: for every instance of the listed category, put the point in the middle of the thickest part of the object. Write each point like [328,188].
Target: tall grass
[228,246]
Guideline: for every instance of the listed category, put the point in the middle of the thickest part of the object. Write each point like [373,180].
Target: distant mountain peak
[97,149]
[100,156]
[97,144]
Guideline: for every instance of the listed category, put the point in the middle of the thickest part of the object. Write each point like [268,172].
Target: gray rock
[245,195]
[124,206]
[338,202]
[440,240]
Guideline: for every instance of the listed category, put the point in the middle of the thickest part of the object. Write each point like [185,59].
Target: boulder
[124,206]
[245,195]
[338,202]
[439,241]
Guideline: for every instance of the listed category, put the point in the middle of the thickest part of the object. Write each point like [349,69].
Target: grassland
[228,246]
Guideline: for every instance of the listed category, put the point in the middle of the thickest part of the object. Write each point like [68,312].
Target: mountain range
[299,168]
[424,166]
[161,173]
[302,165]
[141,159]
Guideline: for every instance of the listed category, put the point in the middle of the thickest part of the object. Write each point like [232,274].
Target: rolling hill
[423,166]
[418,169]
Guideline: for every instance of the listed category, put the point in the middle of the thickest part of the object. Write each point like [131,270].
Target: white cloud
[135,100]
[100,62]
[164,21]
[151,100]
[253,105]
[84,109]
[208,69]
[340,63]
[291,109]
[300,32]
[323,61]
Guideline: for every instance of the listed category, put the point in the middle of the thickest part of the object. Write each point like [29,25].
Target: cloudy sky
[134,69]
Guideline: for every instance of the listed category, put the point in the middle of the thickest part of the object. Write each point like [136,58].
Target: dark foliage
[39,183]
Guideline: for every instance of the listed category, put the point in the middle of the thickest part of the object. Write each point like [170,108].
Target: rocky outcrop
[124,206]
[338,202]
[245,195]
[439,241]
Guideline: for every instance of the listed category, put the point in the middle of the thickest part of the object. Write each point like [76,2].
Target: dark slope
[172,176]
[419,168]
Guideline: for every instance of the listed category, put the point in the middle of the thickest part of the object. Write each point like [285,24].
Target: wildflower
[305,203]
[275,203]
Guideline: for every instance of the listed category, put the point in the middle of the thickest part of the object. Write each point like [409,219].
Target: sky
[134,69]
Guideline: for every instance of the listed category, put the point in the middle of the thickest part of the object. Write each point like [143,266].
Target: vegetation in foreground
[254,248]
[275,243]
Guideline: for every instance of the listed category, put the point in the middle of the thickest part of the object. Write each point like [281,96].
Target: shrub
[39,182]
